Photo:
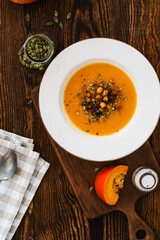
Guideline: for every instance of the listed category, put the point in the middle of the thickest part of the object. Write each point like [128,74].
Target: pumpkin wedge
[109,181]
[23,1]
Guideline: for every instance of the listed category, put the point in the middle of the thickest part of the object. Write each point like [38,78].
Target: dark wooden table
[55,212]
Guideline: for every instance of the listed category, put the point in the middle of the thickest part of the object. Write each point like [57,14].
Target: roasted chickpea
[98,96]
[93,100]
[88,99]
[87,95]
[105,99]
[108,106]
[100,109]
[99,90]
[102,104]
[105,93]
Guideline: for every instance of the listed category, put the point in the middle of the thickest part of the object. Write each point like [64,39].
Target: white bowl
[68,136]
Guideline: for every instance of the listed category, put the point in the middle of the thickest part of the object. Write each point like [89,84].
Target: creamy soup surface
[100,99]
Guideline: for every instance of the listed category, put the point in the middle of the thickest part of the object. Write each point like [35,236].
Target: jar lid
[145,179]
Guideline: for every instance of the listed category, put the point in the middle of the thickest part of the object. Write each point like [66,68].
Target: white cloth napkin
[17,192]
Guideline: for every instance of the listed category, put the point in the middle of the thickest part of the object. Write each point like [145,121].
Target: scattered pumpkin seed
[55,19]
[69,15]
[55,13]
[91,189]
[49,24]
[61,25]
[96,169]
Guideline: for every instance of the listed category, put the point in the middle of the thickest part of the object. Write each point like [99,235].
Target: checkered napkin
[17,192]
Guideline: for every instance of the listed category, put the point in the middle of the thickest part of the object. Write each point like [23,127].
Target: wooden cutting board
[81,174]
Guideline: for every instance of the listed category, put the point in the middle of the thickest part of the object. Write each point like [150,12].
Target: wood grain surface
[55,212]
[81,175]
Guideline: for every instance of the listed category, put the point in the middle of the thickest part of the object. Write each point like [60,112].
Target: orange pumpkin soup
[100,99]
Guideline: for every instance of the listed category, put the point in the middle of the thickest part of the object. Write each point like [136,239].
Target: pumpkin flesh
[109,181]
[24,1]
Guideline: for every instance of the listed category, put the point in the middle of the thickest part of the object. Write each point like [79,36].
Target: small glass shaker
[145,179]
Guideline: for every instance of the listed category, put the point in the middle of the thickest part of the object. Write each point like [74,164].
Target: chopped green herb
[84,103]
[106,85]
[55,13]
[69,15]
[49,24]
[61,25]
[91,189]
[98,75]
[78,94]
[100,102]
[121,97]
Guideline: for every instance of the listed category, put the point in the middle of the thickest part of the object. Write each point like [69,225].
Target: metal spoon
[8,164]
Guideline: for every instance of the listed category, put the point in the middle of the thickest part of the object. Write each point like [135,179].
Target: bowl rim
[88,44]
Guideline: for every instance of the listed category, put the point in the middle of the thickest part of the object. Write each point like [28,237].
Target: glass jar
[37,52]
[145,179]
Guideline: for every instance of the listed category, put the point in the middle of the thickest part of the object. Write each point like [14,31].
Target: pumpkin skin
[104,183]
[24,1]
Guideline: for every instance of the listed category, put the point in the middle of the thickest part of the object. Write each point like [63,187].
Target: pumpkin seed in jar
[39,49]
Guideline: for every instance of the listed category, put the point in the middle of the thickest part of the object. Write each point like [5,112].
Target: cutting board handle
[138,229]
